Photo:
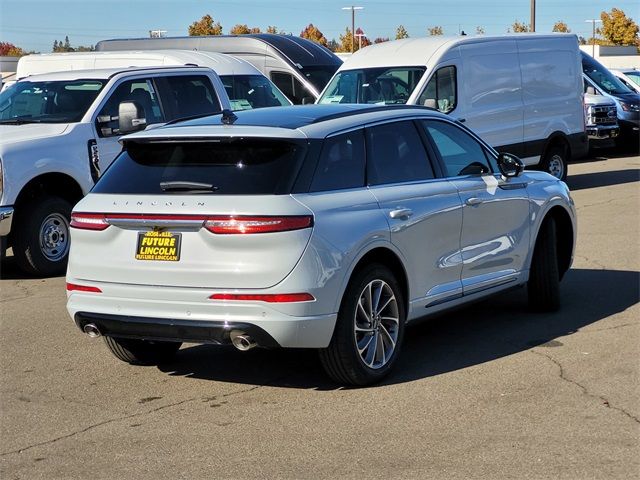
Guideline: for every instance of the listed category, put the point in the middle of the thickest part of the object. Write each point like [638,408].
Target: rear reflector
[272,298]
[71,287]
[89,221]
[247,225]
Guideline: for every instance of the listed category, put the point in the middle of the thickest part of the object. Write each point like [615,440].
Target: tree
[272,29]
[518,27]
[561,27]
[345,42]
[401,33]
[10,50]
[479,30]
[312,33]
[333,45]
[618,28]
[437,30]
[60,46]
[205,26]
[243,29]
[381,40]
[361,39]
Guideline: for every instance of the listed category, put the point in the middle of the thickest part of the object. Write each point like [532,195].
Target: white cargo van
[245,85]
[522,93]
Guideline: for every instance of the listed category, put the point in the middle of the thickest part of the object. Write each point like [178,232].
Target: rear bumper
[6,218]
[186,314]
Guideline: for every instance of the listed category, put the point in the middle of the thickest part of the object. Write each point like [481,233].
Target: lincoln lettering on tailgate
[154,245]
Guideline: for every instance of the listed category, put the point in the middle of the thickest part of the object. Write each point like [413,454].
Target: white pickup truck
[59,130]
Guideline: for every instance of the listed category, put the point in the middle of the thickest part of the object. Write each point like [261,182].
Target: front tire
[141,352]
[41,239]
[544,275]
[555,162]
[369,330]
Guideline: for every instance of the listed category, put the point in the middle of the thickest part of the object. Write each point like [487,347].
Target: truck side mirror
[131,117]
[591,90]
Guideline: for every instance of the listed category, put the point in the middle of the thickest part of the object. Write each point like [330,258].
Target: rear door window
[341,164]
[189,96]
[395,154]
[227,166]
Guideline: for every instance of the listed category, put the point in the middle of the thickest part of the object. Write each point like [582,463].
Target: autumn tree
[272,29]
[381,40]
[205,26]
[437,30]
[518,27]
[561,27]
[479,30]
[243,29]
[618,28]
[344,45]
[401,33]
[312,33]
[10,50]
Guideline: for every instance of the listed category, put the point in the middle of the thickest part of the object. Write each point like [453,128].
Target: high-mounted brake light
[72,287]
[269,298]
[229,224]
[89,221]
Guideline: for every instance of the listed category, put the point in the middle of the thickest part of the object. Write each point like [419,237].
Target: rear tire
[544,275]
[41,238]
[142,352]
[372,311]
[555,162]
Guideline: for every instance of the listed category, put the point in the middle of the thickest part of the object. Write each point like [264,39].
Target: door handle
[401,213]
[473,201]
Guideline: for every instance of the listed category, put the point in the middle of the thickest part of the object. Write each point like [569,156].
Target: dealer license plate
[158,246]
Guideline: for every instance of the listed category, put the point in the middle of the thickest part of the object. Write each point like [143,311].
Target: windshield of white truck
[381,85]
[252,91]
[602,77]
[48,102]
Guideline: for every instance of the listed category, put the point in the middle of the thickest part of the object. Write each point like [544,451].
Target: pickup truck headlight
[630,107]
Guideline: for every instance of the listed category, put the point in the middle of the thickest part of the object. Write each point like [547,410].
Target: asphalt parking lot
[491,391]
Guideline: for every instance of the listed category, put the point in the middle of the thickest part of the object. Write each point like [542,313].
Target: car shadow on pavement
[471,336]
[603,179]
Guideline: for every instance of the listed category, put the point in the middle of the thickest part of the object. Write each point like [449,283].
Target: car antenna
[228,117]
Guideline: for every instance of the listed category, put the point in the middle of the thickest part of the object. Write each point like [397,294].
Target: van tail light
[230,224]
[269,298]
[89,221]
[72,287]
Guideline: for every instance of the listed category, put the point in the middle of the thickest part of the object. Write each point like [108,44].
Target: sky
[35,24]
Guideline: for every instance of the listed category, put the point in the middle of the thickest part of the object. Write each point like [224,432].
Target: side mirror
[431,103]
[308,100]
[591,90]
[510,165]
[131,117]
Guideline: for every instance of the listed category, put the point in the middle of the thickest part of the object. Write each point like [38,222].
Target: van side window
[290,86]
[441,90]
[341,163]
[189,96]
[141,91]
[460,152]
[395,154]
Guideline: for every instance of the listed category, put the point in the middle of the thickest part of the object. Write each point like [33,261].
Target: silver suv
[322,226]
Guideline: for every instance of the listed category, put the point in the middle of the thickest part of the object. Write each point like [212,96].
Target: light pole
[593,35]
[533,15]
[353,23]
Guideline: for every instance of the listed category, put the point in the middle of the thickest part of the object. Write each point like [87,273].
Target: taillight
[230,224]
[269,298]
[72,287]
[89,221]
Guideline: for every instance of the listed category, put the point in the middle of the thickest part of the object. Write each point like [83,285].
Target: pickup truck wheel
[555,162]
[544,276]
[41,238]
[369,330]
[141,352]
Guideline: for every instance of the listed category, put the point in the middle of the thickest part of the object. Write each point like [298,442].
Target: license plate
[158,246]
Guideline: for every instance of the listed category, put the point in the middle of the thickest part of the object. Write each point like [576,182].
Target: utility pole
[533,16]
[593,21]
[353,24]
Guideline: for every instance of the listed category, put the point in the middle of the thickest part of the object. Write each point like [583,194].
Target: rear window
[220,167]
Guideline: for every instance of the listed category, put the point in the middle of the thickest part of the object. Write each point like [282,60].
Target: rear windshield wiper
[188,187]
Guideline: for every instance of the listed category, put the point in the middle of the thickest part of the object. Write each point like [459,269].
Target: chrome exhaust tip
[242,341]
[92,330]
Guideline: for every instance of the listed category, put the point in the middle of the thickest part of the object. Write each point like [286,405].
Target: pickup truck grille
[605,115]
